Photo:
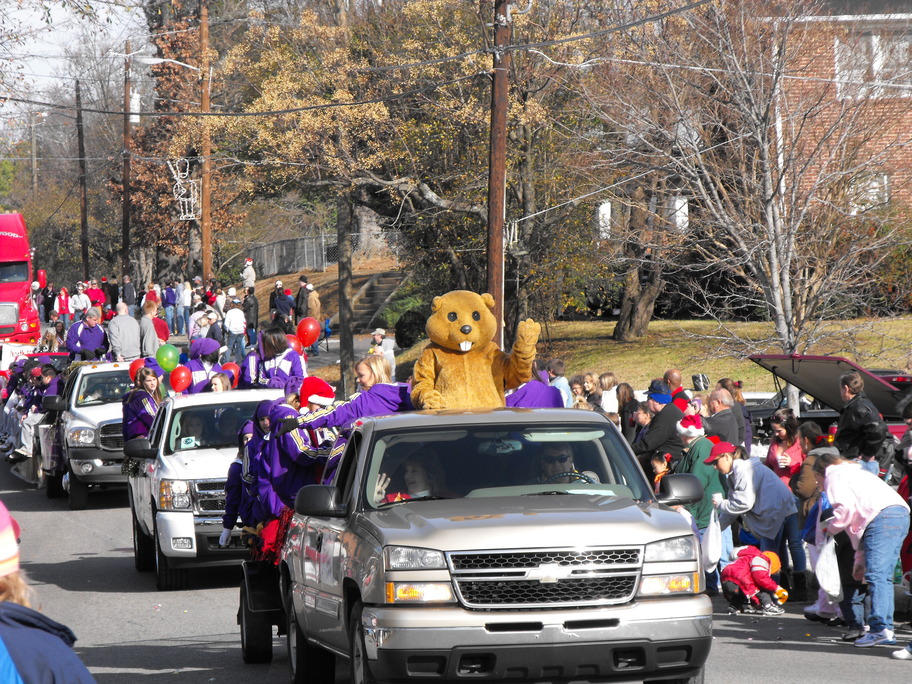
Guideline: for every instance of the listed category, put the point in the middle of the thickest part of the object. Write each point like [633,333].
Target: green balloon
[168,357]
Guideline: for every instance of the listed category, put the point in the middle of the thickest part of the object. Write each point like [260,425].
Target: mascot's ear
[435,305]
[488,300]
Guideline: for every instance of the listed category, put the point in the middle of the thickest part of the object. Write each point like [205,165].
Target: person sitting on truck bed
[203,364]
[46,382]
[87,340]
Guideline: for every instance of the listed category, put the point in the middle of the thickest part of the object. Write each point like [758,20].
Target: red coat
[750,571]
[161,329]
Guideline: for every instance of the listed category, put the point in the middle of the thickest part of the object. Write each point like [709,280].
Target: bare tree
[739,109]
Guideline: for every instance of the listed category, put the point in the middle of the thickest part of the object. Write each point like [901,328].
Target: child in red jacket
[748,586]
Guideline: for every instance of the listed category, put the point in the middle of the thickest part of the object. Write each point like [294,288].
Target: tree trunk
[346,339]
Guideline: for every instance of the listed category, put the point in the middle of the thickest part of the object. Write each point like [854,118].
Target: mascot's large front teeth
[465,346]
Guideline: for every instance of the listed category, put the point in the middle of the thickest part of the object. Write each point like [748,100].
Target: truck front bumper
[654,639]
[193,540]
[96,466]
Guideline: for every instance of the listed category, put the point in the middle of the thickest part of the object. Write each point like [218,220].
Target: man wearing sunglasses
[557,459]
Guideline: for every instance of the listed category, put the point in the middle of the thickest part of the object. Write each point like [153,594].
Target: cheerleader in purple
[141,403]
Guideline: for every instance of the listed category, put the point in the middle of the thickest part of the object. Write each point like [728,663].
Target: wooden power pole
[205,215]
[127,201]
[497,178]
[83,206]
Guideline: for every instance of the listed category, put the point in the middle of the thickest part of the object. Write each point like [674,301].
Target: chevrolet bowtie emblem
[549,573]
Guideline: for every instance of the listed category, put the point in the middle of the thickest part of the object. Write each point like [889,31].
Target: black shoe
[835,622]
[711,591]
[852,635]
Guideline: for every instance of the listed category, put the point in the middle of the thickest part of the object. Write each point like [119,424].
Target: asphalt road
[81,566]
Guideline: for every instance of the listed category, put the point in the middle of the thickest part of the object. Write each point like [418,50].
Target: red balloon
[295,344]
[134,368]
[180,378]
[235,371]
[308,331]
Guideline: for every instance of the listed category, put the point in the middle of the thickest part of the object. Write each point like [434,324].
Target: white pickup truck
[177,483]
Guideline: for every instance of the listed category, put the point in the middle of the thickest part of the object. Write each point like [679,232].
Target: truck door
[325,557]
[141,482]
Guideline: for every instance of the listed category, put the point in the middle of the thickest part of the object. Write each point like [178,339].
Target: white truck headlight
[174,495]
[671,550]
[410,558]
[419,592]
[81,436]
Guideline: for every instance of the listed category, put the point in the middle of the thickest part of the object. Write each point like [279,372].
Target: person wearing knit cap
[33,648]
[697,448]
[316,393]
[272,363]
[203,364]
[663,434]
[248,275]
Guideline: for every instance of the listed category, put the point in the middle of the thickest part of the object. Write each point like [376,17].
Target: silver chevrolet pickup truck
[494,545]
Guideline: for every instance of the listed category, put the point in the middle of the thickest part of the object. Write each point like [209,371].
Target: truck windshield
[485,461]
[103,388]
[208,427]
[14,272]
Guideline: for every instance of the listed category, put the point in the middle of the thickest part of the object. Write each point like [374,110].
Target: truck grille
[546,578]
[209,497]
[111,436]
[9,315]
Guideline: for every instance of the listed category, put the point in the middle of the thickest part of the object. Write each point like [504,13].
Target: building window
[869,192]
[874,64]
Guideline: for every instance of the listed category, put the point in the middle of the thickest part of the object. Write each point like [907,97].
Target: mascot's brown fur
[461,367]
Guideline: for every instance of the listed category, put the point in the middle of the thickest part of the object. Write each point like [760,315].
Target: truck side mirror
[319,500]
[53,402]
[139,447]
[680,490]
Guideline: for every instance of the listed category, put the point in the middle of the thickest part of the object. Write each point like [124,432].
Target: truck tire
[166,577]
[78,494]
[256,633]
[143,548]
[54,489]
[309,664]
[360,668]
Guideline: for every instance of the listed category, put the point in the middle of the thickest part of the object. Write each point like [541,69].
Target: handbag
[827,571]
[711,543]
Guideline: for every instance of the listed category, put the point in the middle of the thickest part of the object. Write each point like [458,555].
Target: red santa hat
[317,391]
[248,260]
[691,426]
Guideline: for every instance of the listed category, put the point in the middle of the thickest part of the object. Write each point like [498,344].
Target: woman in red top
[96,295]
[785,458]
[62,307]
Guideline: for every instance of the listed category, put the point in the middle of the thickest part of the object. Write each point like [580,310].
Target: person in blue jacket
[33,648]
[86,340]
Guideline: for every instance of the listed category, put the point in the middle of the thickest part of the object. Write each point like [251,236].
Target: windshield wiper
[552,492]
[417,498]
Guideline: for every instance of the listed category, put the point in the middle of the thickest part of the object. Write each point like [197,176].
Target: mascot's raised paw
[528,332]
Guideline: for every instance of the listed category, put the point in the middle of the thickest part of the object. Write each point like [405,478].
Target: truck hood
[523,522]
[819,377]
[95,415]
[197,464]
[14,292]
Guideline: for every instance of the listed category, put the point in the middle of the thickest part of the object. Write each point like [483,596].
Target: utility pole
[125,217]
[205,217]
[83,206]
[32,124]
[497,180]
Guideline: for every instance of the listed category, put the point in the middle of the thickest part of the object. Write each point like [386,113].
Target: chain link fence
[371,251]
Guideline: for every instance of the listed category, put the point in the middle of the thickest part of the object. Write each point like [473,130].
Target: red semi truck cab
[19,324]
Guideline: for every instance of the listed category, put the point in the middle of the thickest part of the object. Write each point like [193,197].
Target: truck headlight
[670,550]
[662,585]
[174,495]
[81,436]
[419,592]
[410,558]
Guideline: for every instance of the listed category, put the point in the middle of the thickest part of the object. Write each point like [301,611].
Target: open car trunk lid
[819,377]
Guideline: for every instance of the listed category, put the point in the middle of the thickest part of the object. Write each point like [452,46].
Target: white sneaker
[904,654]
[875,639]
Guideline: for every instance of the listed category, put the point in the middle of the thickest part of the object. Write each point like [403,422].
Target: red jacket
[750,571]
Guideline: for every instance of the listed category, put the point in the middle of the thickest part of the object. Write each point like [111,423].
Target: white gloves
[224,537]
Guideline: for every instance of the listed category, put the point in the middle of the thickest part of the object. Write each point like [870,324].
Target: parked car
[818,379]
[81,441]
[499,569]
[177,483]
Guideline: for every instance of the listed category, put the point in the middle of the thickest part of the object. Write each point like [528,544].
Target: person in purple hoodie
[87,340]
[272,363]
[45,382]
[378,396]
[141,404]
[236,504]
[203,364]
[536,393]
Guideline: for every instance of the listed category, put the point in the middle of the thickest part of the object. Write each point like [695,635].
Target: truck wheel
[143,549]
[54,488]
[308,663]
[256,633]
[696,679]
[360,668]
[78,494]
[166,577]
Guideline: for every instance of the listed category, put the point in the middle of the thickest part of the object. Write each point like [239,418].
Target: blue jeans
[235,351]
[881,542]
[871,466]
[852,605]
[728,547]
[169,318]
[179,320]
[772,544]
[187,320]
[791,538]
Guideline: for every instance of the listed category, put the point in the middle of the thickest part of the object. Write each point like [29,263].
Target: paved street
[81,565]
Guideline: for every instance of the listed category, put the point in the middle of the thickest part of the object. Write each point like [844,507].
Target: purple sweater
[139,408]
[200,377]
